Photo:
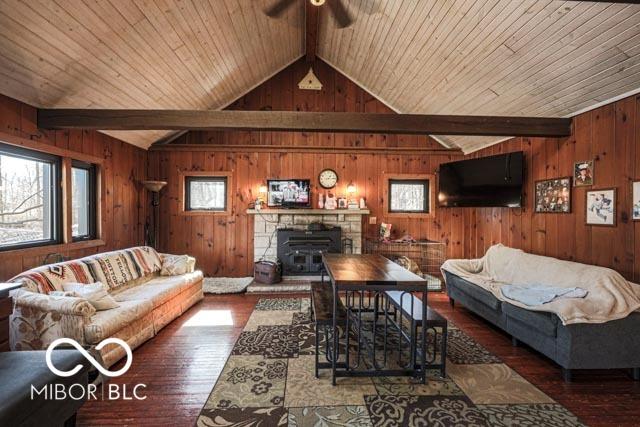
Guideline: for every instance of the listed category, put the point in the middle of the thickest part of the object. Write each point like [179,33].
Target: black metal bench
[410,308]
[322,304]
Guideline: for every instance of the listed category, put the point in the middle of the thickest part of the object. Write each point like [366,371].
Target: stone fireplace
[267,221]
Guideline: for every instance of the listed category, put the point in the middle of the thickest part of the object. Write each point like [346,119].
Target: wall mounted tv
[494,181]
[289,193]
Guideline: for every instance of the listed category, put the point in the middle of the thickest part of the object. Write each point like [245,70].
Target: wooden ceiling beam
[298,121]
[312,17]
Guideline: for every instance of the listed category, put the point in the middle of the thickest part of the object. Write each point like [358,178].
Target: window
[205,193]
[30,198]
[83,201]
[409,195]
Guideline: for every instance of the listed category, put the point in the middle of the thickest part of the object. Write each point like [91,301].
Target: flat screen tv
[494,181]
[289,193]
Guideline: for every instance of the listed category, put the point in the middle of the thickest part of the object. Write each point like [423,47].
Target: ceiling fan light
[317,2]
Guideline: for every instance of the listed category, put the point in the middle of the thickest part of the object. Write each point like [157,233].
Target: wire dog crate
[422,257]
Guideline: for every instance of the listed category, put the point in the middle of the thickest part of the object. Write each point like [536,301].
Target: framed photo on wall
[583,173]
[553,195]
[601,207]
[635,201]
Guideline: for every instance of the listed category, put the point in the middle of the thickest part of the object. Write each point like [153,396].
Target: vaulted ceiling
[477,57]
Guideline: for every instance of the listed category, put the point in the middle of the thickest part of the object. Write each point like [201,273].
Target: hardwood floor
[181,365]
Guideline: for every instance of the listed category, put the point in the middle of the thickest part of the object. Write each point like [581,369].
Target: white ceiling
[480,57]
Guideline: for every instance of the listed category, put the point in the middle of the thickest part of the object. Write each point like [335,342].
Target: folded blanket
[540,294]
[610,296]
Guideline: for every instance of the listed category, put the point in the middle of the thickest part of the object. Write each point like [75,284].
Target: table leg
[424,338]
[443,352]
[335,335]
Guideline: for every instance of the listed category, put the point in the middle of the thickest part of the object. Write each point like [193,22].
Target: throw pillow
[174,265]
[63,294]
[95,293]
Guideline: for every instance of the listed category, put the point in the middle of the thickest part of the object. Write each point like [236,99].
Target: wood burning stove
[300,251]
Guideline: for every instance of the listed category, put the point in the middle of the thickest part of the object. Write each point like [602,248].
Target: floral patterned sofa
[147,301]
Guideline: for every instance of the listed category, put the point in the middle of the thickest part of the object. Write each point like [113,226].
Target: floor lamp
[154,187]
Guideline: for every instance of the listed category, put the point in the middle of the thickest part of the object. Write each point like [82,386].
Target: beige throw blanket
[610,295]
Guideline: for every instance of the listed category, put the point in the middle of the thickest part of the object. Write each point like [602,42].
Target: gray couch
[611,345]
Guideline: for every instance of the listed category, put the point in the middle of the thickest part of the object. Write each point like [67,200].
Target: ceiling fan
[336,8]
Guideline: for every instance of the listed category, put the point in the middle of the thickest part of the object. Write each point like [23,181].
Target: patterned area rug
[269,381]
[225,285]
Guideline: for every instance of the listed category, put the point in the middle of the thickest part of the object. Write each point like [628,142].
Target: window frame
[57,215]
[430,205]
[425,183]
[92,169]
[188,176]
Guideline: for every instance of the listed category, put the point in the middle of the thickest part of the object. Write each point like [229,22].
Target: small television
[494,181]
[289,193]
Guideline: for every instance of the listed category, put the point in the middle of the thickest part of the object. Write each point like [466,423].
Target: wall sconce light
[262,196]
[351,188]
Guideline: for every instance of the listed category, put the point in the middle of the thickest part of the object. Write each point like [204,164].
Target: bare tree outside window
[408,196]
[206,193]
[25,200]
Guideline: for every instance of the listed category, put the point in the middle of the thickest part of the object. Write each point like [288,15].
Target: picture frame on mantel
[635,200]
[601,207]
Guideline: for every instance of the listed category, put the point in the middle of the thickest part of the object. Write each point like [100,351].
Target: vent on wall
[310,82]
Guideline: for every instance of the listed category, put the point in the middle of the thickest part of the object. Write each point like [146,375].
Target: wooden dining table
[375,274]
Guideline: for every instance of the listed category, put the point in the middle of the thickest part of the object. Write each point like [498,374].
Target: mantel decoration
[151,232]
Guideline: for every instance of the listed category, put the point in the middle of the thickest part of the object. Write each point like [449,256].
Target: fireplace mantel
[309,211]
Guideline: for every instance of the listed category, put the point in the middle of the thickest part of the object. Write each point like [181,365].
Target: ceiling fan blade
[278,8]
[340,13]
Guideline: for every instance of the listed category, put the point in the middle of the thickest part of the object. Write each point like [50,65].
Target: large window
[206,193]
[30,198]
[83,201]
[409,195]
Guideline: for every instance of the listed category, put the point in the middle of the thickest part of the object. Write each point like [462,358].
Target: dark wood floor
[181,365]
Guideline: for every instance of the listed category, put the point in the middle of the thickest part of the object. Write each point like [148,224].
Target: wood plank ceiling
[489,57]
[163,54]
[475,57]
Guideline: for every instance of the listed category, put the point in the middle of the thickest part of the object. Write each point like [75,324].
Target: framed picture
[601,207]
[635,201]
[553,195]
[583,173]
[342,203]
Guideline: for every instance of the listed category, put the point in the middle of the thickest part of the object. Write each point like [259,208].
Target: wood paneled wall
[223,245]
[611,136]
[123,168]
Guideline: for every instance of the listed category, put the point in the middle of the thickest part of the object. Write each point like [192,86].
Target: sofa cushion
[474,291]
[184,281]
[106,323]
[114,269]
[543,322]
[158,294]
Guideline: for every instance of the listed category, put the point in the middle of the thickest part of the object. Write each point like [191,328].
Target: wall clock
[328,178]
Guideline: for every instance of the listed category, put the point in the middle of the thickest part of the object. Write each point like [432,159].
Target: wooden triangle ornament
[310,81]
